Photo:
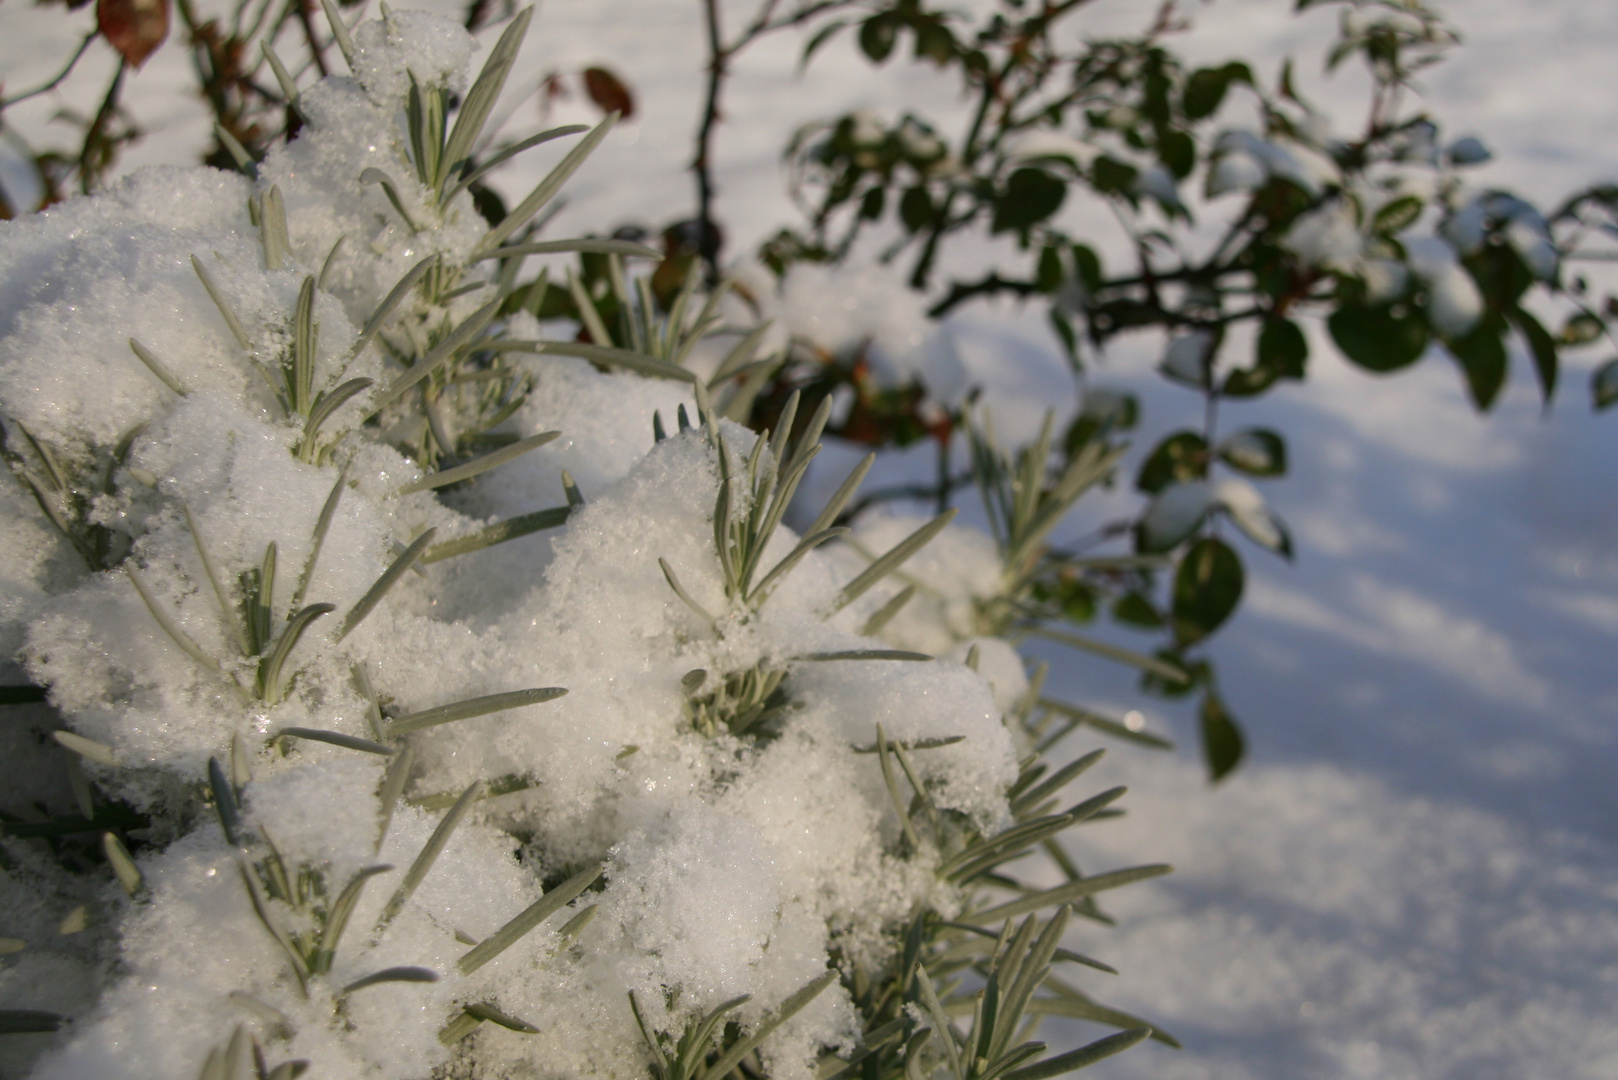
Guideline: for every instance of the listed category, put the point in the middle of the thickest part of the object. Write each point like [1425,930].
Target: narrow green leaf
[894,795]
[164,374]
[510,152]
[493,459]
[584,244]
[330,402]
[865,654]
[536,913]
[226,609]
[893,559]
[762,590]
[884,615]
[337,919]
[789,1008]
[430,851]
[1167,672]
[472,707]
[238,153]
[395,296]
[224,801]
[256,895]
[679,590]
[458,339]
[499,532]
[547,188]
[1083,1057]
[391,190]
[1064,894]
[845,491]
[328,511]
[943,1030]
[270,672]
[122,864]
[458,1029]
[234,324]
[89,749]
[912,744]
[393,974]
[272,215]
[1056,782]
[334,738]
[486,1011]
[393,785]
[168,625]
[390,577]
[339,32]
[272,1017]
[575,926]
[329,263]
[484,93]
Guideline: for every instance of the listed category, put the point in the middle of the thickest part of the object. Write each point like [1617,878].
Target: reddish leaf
[134,27]
[608,92]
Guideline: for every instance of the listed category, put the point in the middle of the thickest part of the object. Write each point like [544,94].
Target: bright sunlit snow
[1413,874]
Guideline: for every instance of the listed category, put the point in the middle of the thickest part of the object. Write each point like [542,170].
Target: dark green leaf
[823,35]
[1205,89]
[1031,196]
[1581,329]
[1542,347]
[1482,354]
[1112,176]
[878,34]
[1604,384]
[915,208]
[1282,353]
[1087,264]
[1396,215]
[1178,152]
[1083,1057]
[872,204]
[1048,275]
[1134,609]
[1383,338]
[1255,451]
[1222,743]
[1180,457]
[1207,588]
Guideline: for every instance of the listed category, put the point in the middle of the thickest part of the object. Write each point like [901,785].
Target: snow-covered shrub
[429,707]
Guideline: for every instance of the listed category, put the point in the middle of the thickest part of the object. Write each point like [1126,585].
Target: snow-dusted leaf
[1186,359]
[1247,511]
[1257,451]
[1604,384]
[1175,514]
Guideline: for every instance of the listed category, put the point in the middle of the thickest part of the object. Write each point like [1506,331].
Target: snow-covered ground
[1414,874]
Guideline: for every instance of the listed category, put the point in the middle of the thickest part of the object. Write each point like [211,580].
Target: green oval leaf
[1207,588]
[1031,196]
[1222,742]
[1255,451]
[1181,457]
[878,34]
[1383,338]
[1604,384]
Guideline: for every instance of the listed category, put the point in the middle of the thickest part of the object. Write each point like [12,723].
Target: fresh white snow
[1413,875]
